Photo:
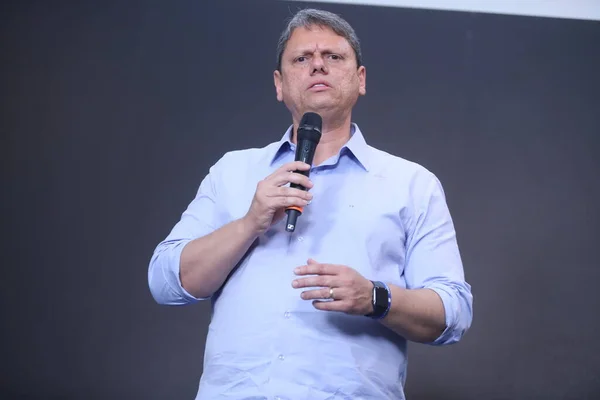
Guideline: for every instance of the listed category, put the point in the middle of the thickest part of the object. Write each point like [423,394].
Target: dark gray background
[112,112]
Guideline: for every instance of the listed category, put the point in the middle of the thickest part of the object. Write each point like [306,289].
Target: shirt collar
[356,146]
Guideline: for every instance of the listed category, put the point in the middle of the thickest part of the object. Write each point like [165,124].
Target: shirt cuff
[172,275]
[451,311]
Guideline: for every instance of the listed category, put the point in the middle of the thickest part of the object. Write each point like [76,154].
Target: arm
[205,262]
[197,223]
[417,314]
[193,262]
[187,270]
[437,305]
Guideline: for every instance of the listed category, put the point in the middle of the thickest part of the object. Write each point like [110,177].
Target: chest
[355,218]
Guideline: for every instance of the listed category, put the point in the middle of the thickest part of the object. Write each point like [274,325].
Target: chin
[321,107]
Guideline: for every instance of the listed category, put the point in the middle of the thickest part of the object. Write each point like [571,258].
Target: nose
[318,65]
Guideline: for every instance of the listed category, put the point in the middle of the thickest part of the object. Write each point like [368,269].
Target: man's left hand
[352,293]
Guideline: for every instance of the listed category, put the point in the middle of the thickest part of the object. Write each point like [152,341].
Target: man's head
[311,17]
[319,65]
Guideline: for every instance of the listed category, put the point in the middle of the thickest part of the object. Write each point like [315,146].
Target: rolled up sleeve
[199,219]
[433,260]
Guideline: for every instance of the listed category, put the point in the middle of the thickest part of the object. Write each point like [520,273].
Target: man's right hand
[272,196]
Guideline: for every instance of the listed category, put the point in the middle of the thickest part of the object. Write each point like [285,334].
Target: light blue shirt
[382,215]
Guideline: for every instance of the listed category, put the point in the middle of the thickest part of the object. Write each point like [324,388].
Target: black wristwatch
[382,300]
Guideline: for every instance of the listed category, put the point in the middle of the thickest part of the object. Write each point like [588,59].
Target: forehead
[317,37]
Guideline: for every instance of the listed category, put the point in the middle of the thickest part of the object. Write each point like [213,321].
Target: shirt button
[300,238]
[281,357]
[287,314]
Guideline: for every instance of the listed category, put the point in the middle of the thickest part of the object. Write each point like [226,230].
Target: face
[319,73]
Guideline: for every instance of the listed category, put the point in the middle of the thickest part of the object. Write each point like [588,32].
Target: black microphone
[309,134]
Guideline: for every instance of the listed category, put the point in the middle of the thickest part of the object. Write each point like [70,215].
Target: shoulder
[409,183]
[243,158]
[399,169]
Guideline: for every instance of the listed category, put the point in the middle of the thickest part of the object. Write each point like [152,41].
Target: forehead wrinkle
[307,49]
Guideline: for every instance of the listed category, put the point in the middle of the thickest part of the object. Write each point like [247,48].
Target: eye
[335,57]
[300,59]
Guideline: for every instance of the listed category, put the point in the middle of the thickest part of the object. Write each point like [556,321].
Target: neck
[334,135]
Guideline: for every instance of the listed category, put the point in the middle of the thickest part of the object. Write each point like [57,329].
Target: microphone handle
[305,153]
[294,212]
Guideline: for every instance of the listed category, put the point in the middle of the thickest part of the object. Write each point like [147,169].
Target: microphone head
[313,120]
[310,127]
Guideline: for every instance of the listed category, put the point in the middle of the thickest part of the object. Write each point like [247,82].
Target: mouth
[318,86]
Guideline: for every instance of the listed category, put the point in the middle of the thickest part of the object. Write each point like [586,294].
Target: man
[323,312]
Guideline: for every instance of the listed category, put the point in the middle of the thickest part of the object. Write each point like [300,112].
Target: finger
[315,294]
[324,293]
[299,179]
[295,165]
[290,201]
[326,305]
[318,269]
[288,197]
[290,192]
[314,281]
[289,167]
[284,178]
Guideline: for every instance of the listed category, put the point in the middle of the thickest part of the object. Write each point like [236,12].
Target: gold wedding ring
[331,293]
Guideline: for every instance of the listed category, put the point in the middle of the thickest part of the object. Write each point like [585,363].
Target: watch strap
[381,301]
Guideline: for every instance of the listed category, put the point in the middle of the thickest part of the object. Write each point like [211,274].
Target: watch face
[381,298]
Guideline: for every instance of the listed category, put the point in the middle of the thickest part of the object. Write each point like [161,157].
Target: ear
[362,80]
[277,79]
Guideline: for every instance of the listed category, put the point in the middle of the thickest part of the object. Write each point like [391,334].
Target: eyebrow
[302,52]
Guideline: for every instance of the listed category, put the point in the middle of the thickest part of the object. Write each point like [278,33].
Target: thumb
[312,261]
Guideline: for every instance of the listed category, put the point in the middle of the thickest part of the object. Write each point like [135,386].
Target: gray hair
[309,17]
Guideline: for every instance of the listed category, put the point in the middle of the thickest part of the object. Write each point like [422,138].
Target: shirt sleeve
[433,260]
[199,219]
